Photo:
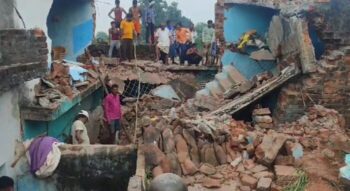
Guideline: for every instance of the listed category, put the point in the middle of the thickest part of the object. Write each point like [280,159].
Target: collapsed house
[184,122]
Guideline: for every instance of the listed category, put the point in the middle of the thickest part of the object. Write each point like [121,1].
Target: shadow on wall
[240,19]
[70,24]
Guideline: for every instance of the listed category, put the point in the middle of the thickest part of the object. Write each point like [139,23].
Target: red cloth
[112,107]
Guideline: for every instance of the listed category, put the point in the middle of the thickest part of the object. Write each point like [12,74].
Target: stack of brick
[219,20]
[262,118]
[329,87]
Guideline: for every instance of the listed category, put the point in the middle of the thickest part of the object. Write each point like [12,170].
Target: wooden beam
[241,102]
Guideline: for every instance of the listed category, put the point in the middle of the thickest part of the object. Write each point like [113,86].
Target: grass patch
[300,184]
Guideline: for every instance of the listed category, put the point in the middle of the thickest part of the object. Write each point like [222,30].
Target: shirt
[112,107]
[150,15]
[115,35]
[163,37]
[128,29]
[80,126]
[208,35]
[182,35]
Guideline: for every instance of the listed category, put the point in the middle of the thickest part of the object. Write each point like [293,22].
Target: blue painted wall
[70,25]
[240,19]
[245,65]
[61,127]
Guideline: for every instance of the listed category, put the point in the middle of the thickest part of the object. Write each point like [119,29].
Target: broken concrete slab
[166,92]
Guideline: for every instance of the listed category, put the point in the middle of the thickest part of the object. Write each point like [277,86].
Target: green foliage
[199,29]
[300,184]
[101,37]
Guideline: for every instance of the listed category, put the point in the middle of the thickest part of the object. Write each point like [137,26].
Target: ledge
[37,113]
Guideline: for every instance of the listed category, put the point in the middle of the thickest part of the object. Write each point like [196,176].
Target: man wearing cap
[113,113]
[79,131]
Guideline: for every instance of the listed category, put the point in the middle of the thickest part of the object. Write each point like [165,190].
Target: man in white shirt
[79,131]
[163,43]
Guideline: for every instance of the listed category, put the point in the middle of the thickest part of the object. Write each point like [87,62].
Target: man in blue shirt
[150,20]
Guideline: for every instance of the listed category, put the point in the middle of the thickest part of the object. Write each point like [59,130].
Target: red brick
[248,180]
[264,184]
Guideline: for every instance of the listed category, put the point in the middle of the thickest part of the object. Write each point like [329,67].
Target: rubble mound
[218,151]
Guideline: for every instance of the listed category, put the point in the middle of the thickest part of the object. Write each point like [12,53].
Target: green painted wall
[60,127]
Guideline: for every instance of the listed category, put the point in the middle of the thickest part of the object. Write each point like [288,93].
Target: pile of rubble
[65,80]
[220,152]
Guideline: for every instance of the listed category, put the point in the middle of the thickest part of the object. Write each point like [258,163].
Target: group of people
[175,43]
[124,29]
[180,42]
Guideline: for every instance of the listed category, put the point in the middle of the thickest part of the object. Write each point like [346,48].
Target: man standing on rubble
[114,39]
[150,20]
[136,12]
[127,28]
[163,43]
[113,113]
[79,131]
[118,13]
[208,36]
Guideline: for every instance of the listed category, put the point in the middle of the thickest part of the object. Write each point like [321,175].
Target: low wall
[96,167]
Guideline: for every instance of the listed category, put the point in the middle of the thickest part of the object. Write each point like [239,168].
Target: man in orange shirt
[127,28]
[182,40]
[136,14]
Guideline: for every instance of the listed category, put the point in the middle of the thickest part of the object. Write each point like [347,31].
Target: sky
[196,10]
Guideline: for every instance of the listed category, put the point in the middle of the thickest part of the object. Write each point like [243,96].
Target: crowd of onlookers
[173,43]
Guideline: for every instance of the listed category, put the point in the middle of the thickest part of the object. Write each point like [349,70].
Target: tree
[167,12]
[101,37]
[199,29]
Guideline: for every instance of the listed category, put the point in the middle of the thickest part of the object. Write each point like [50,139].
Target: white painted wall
[10,129]
[7,14]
